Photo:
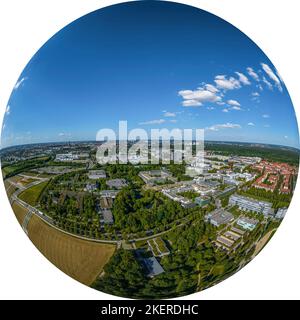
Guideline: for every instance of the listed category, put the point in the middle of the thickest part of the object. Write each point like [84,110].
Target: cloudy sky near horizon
[156,65]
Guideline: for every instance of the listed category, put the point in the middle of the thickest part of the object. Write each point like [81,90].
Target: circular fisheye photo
[149,150]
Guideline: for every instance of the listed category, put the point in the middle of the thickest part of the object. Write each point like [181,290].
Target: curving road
[50,222]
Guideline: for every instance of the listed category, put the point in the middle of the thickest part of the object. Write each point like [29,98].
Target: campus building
[96,174]
[117,183]
[219,217]
[247,223]
[281,213]
[154,176]
[249,204]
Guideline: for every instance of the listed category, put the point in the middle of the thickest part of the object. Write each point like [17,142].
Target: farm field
[80,259]
[19,211]
[32,194]
[10,188]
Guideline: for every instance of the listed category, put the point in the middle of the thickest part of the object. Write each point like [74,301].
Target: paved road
[50,222]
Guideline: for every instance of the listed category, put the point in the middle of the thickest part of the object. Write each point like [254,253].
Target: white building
[249,204]
[97,174]
[281,213]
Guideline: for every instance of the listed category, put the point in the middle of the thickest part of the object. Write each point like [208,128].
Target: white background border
[26,25]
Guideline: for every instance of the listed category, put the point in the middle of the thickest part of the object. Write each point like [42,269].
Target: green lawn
[218,270]
[7,170]
[31,195]
[155,251]
[161,245]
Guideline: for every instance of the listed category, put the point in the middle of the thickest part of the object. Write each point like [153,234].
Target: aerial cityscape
[176,233]
[149,229]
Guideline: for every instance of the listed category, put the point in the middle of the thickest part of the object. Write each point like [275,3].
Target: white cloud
[243,79]
[191,103]
[272,76]
[233,103]
[211,88]
[169,114]
[255,97]
[266,116]
[19,82]
[210,108]
[259,86]
[251,124]
[285,137]
[227,125]
[267,126]
[236,108]
[227,84]
[7,110]
[173,120]
[195,98]
[225,110]
[253,74]
[158,121]
[268,83]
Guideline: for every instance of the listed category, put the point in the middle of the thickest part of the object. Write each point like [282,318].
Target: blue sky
[156,65]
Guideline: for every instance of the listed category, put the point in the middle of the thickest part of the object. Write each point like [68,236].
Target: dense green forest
[135,210]
[272,153]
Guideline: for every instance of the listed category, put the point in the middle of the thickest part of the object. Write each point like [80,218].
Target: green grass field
[7,170]
[31,195]
[161,245]
[27,181]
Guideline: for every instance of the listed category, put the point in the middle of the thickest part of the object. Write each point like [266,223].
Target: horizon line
[95,141]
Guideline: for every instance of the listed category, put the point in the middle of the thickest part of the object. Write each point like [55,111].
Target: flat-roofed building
[107,216]
[247,223]
[237,230]
[202,201]
[155,176]
[225,192]
[117,183]
[97,174]
[91,187]
[232,235]
[253,205]
[280,214]
[219,217]
[225,241]
[109,193]
[66,157]
[153,267]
